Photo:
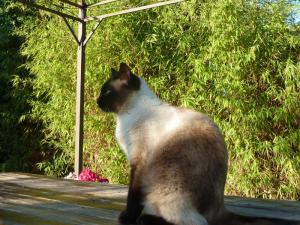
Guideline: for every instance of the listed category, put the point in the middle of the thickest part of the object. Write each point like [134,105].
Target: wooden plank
[12,218]
[35,199]
[74,188]
[25,198]
[8,191]
[52,208]
[281,209]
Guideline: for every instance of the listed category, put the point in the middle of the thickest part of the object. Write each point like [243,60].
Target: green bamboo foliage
[16,128]
[235,60]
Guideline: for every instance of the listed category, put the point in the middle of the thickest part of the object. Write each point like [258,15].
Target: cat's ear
[124,72]
[114,73]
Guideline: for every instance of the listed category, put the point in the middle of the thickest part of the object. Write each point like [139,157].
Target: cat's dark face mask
[117,89]
[108,98]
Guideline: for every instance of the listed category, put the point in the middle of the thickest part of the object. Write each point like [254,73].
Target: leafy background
[236,60]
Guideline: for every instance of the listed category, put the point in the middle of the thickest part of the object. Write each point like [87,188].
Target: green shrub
[236,60]
[20,136]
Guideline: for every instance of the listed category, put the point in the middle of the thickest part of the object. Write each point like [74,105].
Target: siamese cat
[178,158]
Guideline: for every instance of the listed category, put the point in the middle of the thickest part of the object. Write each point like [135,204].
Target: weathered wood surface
[39,200]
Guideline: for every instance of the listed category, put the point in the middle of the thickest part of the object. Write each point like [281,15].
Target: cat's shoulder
[191,114]
[195,119]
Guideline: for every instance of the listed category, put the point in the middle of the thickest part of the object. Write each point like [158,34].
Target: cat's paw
[126,219]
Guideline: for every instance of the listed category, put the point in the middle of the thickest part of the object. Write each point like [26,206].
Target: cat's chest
[126,138]
[123,139]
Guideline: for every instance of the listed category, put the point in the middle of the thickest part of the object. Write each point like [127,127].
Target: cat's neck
[141,103]
[143,106]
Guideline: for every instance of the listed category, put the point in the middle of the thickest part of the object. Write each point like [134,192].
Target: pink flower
[88,175]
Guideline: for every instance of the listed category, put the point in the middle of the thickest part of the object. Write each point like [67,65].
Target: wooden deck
[39,200]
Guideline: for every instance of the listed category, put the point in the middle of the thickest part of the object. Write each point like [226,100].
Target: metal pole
[82,41]
[80,90]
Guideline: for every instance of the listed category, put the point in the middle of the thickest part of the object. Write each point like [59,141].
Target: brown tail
[234,219]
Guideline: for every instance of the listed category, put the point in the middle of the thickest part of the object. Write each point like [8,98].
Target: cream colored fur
[145,123]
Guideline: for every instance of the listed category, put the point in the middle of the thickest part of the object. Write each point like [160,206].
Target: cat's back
[180,132]
[189,161]
[177,121]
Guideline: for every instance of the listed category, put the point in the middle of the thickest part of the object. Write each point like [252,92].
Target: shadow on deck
[39,200]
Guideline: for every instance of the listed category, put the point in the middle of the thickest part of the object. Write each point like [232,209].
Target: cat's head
[118,89]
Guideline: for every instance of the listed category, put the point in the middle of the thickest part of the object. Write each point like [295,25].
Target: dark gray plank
[35,199]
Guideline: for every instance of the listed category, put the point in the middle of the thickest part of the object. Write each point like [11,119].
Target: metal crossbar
[82,40]
[71,30]
[101,3]
[71,3]
[41,7]
[92,32]
[155,5]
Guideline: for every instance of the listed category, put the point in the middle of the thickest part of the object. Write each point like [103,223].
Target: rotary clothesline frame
[82,39]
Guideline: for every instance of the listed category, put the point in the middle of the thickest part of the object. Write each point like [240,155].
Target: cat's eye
[107,92]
